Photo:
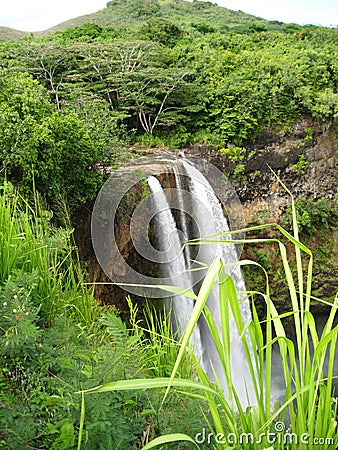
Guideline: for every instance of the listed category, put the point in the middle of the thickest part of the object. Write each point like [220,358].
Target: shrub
[49,322]
[239,172]
[312,214]
[234,154]
[44,149]
[301,165]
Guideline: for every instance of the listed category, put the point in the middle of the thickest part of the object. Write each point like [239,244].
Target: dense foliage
[154,72]
[166,77]
[39,145]
[55,339]
[171,73]
[312,215]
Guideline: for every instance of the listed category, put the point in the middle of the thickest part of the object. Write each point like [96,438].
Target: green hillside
[8,34]
[132,13]
[79,100]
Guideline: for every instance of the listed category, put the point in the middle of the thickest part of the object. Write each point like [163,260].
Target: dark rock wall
[260,190]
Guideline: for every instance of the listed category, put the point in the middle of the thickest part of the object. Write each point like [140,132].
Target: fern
[124,344]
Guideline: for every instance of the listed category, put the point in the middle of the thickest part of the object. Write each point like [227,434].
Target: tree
[49,63]
[101,66]
[41,145]
[162,30]
[104,126]
[133,78]
[84,33]
[148,93]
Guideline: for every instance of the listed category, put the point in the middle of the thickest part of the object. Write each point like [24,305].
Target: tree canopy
[86,93]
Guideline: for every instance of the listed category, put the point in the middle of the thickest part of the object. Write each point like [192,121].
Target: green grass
[308,409]
[30,245]
[158,343]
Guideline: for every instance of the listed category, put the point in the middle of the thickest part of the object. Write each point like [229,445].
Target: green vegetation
[173,71]
[43,147]
[301,165]
[77,102]
[239,172]
[234,154]
[55,340]
[313,214]
[308,408]
[128,15]
[317,221]
[159,342]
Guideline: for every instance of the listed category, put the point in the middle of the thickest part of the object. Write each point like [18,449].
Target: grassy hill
[133,13]
[9,34]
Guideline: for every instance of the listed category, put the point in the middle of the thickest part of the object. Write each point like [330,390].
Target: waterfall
[209,220]
[183,219]
[211,224]
[169,243]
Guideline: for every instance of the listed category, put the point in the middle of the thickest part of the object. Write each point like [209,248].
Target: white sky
[37,15]
[317,12]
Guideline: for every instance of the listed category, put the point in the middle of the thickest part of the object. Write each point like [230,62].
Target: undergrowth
[56,339]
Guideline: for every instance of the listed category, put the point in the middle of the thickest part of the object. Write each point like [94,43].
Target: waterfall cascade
[168,241]
[199,202]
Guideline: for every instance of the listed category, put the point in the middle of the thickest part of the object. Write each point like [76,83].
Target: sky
[317,12]
[38,15]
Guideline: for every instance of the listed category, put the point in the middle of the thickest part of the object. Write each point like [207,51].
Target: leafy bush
[38,392]
[42,148]
[312,214]
[301,165]
[242,75]
[83,33]
[19,315]
[234,154]
[56,340]
[239,172]
[161,30]
[36,262]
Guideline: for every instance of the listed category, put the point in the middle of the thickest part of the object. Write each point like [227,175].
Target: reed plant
[56,339]
[306,417]
[30,245]
[158,343]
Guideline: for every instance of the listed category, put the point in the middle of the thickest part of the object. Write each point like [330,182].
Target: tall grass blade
[169,438]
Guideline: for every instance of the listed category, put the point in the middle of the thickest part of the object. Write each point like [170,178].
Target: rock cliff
[305,159]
